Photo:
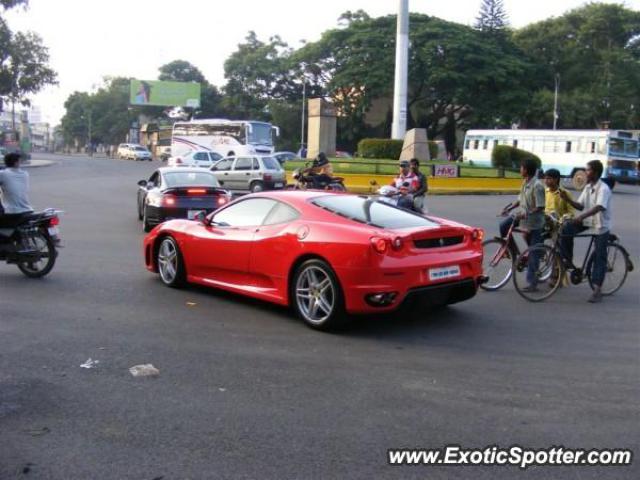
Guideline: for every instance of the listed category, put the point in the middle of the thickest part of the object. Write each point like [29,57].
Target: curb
[38,164]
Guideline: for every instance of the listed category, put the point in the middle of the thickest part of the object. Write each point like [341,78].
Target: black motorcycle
[30,241]
[305,179]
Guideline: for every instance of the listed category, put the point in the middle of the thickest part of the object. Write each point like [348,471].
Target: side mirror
[142,183]
[202,218]
[221,182]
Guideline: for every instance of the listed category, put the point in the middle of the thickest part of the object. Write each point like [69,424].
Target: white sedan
[195,158]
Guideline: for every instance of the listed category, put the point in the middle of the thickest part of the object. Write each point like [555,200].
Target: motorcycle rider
[14,184]
[321,172]
[407,182]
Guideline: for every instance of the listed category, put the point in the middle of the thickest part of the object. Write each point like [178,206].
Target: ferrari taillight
[379,244]
[168,201]
[196,191]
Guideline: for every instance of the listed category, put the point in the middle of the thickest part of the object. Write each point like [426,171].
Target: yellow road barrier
[437,185]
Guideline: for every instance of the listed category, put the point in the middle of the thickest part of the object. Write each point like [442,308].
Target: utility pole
[555,102]
[90,142]
[304,105]
[399,126]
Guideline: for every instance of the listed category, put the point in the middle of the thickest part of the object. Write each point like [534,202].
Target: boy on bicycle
[531,218]
[595,204]
[554,202]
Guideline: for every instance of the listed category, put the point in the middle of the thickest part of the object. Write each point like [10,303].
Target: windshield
[186,179]
[372,212]
[260,134]
[219,130]
[140,149]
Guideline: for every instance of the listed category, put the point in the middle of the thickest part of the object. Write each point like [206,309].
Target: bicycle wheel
[497,264]
[616,272]
[545,277]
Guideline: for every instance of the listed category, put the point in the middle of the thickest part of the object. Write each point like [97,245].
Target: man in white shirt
[14,185]
[595,205]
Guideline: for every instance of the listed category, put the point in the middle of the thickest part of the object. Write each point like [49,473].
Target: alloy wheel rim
[315,294]
[168,261]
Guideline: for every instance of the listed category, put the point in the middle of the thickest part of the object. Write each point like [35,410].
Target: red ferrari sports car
[325,254]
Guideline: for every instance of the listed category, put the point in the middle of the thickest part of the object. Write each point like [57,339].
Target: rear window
[270,163]
[372,212]
[186,179]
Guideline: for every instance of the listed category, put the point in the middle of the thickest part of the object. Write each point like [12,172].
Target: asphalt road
[247,391]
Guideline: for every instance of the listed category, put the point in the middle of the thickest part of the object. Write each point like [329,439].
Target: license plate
[279,185]
[53,231]
[444,272]
[191,214]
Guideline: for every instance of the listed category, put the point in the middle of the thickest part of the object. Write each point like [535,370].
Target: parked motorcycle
[31,241]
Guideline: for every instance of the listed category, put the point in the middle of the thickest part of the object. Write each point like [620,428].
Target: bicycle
[499,256]
[619,264]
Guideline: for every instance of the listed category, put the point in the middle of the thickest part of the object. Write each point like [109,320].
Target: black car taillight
[168,201]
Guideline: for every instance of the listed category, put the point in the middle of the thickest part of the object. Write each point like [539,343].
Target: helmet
[321,160]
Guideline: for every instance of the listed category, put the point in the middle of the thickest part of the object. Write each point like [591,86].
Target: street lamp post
[555,102]
[304,105]
[399,126]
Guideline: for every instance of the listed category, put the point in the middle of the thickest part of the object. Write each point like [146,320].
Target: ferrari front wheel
[317,297]
[170,263]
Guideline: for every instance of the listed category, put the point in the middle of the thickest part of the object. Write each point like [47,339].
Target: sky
[91,39]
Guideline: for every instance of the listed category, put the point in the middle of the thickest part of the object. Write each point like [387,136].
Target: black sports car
[178,193]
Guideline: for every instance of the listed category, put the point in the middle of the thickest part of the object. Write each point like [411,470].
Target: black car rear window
[372,212]
[185,179]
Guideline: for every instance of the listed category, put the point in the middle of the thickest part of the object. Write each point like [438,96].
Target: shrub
[505,156]
[379,148]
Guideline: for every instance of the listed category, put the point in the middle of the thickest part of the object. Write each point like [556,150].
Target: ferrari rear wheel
[170,263]
[317,297]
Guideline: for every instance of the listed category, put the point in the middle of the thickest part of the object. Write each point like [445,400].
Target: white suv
[250,172]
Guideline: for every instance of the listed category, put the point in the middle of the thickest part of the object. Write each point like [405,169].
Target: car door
[222,169]
[275,243]
[241,173]
[220,251]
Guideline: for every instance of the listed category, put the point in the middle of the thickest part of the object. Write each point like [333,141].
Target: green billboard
[164,94]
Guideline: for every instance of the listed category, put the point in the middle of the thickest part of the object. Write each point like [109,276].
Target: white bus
[226,137]
[566,150]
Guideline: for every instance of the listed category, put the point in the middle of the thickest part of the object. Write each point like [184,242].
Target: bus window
[466,144]
[515,143]
[476,144]
[485,144]
[593,147]
[567,147]
[495,143]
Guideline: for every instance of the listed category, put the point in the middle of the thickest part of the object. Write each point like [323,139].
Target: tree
[456,76]
[594,49]
[256,73]
[492,17]
[181,71]
[24,68]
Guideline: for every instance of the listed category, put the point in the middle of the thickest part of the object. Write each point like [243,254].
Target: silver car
[252,172]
